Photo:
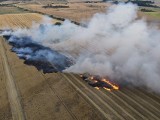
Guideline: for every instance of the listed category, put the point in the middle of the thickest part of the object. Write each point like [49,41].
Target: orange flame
[111,84]
[114,86]
[107,89]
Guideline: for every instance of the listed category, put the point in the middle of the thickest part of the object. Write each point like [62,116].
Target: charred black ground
[43,58]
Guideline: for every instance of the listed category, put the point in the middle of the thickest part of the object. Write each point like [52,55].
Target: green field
[151,12]
[155,15]
[11,10]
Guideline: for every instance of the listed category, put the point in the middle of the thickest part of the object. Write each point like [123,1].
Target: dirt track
[5,111]
[16,109]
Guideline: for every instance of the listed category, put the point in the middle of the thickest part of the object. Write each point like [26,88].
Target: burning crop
[99,82]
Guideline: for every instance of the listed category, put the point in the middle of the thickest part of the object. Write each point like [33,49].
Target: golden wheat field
[76,11]
[81,12]
[20,20]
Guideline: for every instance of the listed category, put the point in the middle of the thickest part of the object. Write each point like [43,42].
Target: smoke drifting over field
[114,43]
[43,58]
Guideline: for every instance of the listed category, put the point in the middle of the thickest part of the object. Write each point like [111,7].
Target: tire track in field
[60,99]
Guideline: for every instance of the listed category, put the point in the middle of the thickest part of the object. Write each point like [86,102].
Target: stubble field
[63,95]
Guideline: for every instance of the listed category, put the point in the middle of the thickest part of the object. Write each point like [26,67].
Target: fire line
[98,82]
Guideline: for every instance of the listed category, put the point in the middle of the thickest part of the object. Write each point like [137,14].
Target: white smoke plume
[115,44]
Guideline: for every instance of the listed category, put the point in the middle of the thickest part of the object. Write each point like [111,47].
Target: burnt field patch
[43,58]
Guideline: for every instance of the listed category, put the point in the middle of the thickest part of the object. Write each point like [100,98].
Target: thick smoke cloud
[114,44]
